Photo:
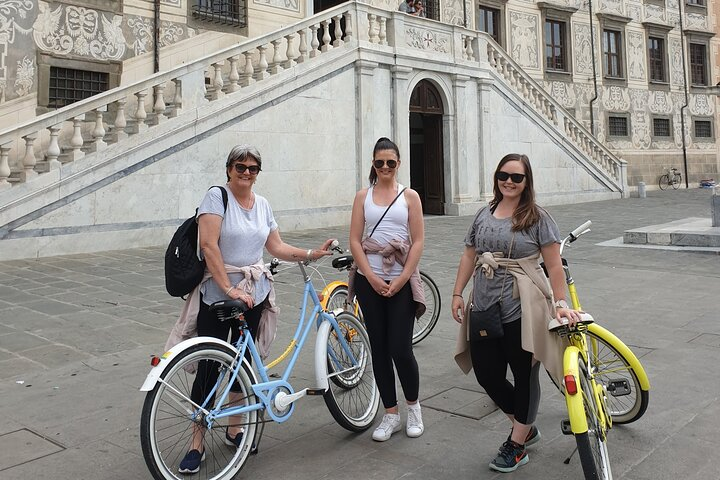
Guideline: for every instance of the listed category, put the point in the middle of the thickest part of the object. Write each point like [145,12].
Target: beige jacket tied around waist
[536,303]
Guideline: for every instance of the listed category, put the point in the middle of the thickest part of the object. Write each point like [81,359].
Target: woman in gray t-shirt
[516,227]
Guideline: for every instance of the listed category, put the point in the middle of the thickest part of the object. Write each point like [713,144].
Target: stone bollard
[715,206]
[641,190]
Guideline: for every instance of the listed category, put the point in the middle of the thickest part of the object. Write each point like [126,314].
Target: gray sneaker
[389,425]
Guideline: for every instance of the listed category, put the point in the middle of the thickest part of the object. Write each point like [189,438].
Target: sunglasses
[515,177]
[381,163]
[253,169]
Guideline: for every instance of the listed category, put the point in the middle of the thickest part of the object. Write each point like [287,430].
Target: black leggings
[208,325]
[389,322]
[490,359]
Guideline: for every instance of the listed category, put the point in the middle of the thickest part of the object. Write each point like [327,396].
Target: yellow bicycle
[603,381]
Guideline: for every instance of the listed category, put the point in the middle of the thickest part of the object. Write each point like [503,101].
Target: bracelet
[309,254]
[229,290]
[457,295]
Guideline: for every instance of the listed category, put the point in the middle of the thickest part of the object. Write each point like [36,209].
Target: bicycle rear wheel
[169,417]
[626,400]
[664,181]
[425,324]
[352,396]
[592,445]
[676,181]
[338,298]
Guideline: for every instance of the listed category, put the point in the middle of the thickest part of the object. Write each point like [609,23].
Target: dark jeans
[490,359]
[389,323]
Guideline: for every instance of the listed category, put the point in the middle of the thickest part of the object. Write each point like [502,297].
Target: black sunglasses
[381,163]
[515,177]
[253,169]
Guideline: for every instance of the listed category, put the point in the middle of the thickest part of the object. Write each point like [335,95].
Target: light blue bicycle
[170,418]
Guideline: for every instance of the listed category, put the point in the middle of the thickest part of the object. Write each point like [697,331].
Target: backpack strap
[224,195]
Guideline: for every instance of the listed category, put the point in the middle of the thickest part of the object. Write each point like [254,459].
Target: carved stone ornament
[427,40]
[524,39]
[583,59]
[636,56]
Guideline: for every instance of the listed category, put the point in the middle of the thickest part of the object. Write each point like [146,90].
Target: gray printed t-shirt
[242,239]
[490,234]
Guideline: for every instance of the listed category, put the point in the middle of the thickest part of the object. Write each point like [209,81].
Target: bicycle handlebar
[584,228]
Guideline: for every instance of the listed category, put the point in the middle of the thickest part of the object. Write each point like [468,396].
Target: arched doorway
[426,147]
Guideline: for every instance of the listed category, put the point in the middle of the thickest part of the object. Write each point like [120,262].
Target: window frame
[704,65]
[667,137]
[558,14]
[616,24]
[617,55]
[499,6]
[711,138]
[660,32]
[204,21]
[624,115]
[484,12]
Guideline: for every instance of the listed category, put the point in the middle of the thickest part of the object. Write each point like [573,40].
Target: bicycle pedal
[315,391]
[565,427]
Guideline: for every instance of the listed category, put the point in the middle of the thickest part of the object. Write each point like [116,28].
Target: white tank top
[394,226]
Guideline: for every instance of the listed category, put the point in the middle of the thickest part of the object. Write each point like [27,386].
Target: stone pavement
[76,334]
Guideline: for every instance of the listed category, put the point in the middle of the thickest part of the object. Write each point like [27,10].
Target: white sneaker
[415,426]
[389,425]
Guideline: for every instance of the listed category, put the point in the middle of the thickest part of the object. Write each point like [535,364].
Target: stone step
[689,232]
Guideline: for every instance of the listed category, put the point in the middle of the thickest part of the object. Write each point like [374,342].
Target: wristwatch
[561,304]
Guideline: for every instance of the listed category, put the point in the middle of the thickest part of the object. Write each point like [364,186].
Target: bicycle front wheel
[676,181]
[338,299]
[626,400]
[664,182]
[170,418]
[352,396]
[425,323]
[592,445]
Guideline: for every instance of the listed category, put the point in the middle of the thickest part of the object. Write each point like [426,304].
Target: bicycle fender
[166,359]
[575,405]
[328,290]
[625,351]
[321,374]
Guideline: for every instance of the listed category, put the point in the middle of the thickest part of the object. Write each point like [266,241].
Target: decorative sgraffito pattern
[427,40]
[142,32]
[673,17]
[676,62]
[701,105]
[640,130]
[615,99]
[172,3]
[523,39]
[636,56]
[291,5]
[696,20]
[583,59]
[654,13]
[79,31]
[660,103]
[563,93]
[638,99]
[635,12]
[13,14]
[452,12]
[612,6]
[25,76]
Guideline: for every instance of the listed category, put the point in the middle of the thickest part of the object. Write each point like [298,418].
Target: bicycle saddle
[228,309]
[585,318]
[342,262]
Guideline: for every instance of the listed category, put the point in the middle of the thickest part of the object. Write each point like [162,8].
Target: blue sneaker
[191,462]
[532,437]
[510,457]
[237,441]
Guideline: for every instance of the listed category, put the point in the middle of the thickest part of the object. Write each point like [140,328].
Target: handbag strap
[386,210]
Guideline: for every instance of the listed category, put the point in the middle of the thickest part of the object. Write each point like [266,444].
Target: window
[612,53]
[67,85]
[225,12]
[698,64]
[661,127]
[489,21]
[618,126]
[656,59]
[703,129]
[555,55]
[698,3]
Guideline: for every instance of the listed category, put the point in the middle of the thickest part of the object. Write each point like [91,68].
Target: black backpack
[183,268]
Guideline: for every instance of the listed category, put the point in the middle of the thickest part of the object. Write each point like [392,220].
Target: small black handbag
[487,324]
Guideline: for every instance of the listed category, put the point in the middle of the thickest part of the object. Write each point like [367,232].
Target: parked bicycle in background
[672,178]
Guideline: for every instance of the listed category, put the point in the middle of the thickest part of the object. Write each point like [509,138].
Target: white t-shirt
[242,239]
[394,226]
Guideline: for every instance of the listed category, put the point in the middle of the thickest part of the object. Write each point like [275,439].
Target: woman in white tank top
[390,218]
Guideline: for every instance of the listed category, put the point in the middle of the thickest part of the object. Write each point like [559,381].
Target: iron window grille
[617,126]
[224,12]
[703,129]
[661,127]
[698,74]
[432,9]
[68,86]
[555,45]
[656,54]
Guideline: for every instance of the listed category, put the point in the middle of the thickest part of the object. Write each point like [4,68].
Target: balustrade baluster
[234,76]
[469,49]
[554,115]
[76,142]
[338,31]
[217,82]
[382,34]
[5,165]
[247,76]
[372,33]
[348,27]
[290,52]
[159,106]
[29,159]
[117,130]
[140,113]
[326,36]
[53,151]
[177,102]
[276,65]
[262,72]
[314,43]
[98,132]
[303,47]
[492,56]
